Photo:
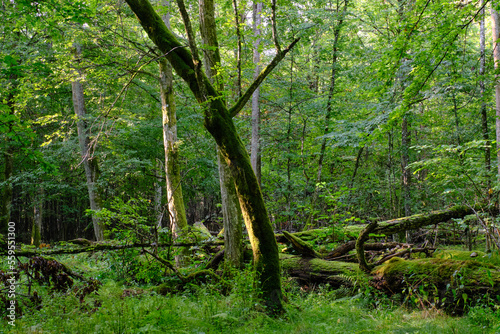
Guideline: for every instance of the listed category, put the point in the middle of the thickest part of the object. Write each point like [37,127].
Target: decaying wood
[301,246]
[314,271]
[350,245]
[414,222]
[363,236]
[96,247]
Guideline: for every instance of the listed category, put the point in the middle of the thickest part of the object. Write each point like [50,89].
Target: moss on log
[451,284]
[301,246]
[318,271]
[417,221]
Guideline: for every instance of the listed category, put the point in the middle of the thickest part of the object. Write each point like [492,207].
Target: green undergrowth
[134,305]
[202,310]
[206,308]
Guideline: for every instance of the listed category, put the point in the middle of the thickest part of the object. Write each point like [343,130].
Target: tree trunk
[484,114]
[176,209]
[238,49]
[89,162]
[218,122]
[496,57]
[231,215]
[6,190]
[36,230]
[255,157]
[405,160]
[158,193]
[231,211]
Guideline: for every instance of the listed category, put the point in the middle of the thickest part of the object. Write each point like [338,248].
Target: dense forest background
[383,109]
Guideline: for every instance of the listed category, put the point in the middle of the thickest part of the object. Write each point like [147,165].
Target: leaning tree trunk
[218,122]
[89,162]
[231,211]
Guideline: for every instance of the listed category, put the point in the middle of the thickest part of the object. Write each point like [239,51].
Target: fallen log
[453,285]
[301,246]
[96,247]
[406,224]
[350,245]
[414,222]
[311,271]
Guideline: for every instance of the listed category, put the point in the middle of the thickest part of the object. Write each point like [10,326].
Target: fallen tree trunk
[453,285]
[389,227]
[313,271]
[96,247]
[417,221]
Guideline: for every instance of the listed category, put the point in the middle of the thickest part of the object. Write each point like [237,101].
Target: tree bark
[36,231]
[484,113]
[89,162]
[496,57]
[255,157]
[231,211]
[405,160]
[231,215]
[218,122]
[6,191]
[176,209]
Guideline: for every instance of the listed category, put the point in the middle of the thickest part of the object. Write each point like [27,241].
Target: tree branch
[265,72]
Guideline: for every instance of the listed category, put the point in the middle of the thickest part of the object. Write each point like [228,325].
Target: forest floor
[132,306]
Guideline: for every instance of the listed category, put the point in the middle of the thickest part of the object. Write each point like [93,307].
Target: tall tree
[176,210]
[218,122]
[255,156]
[231,211]
[88,160]
[484,113]
[496,57]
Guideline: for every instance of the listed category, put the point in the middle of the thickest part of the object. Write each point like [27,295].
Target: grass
[204,309]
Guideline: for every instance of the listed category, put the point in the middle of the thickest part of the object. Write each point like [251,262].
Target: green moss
[487,258]
[456,284]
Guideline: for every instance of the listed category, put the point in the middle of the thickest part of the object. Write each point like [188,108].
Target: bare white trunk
[89,163]
[255,156]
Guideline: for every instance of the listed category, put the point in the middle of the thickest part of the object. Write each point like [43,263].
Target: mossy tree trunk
[176,209]
[218,121]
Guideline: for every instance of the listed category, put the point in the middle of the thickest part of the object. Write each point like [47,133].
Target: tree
[495,18]
[176,210]
[218,121]
[255,145]
[231,211]
[89,161]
